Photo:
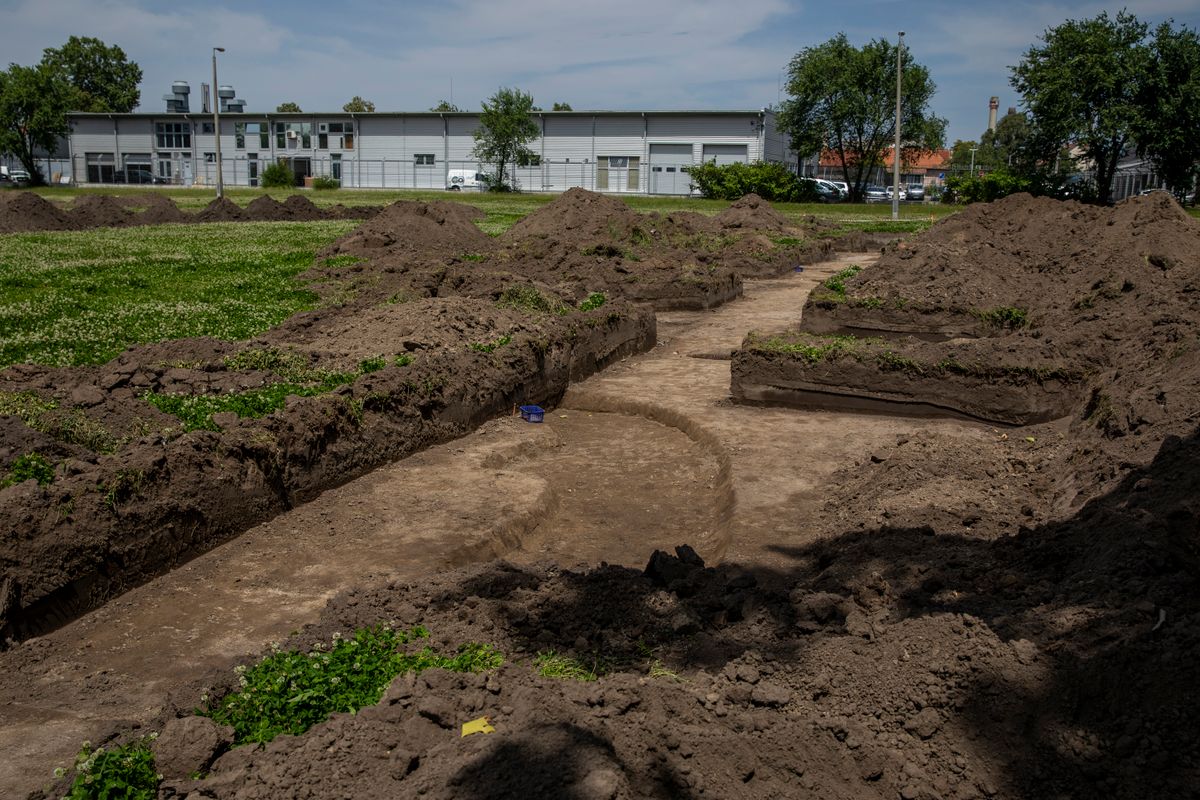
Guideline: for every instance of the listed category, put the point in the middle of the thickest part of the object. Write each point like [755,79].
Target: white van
[470,180]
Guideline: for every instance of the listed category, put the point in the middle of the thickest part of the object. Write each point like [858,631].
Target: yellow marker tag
[480,725]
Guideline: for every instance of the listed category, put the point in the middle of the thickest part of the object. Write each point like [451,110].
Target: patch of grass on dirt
[71,426]
[810,347]
[528,299]
[125,772]
[29,407]
[550,664]
[592,301]
[835,285]
[31,465]
[1004,318]
[492,346]
[81,297]
[290,691]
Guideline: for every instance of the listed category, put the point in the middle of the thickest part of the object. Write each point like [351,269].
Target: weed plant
[550,664]
[289,691]
[835,284]
[126,772]
[1004,318]
[593,300]
[528,299]
[71,426]
[81,297]
[31,465]
[812,348]
[492,346]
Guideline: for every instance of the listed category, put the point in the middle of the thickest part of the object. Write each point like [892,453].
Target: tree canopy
[288,107]
[1168,132]
[358,105]
[843,99]
[561,107]
[445,107]
[102,79]
[505,127]
[1083,85]
[32,105]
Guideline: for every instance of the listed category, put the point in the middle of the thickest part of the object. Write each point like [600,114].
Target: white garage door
[725,153]
[666,168]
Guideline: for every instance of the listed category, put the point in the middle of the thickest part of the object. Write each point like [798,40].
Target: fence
[54,170]
[631,177]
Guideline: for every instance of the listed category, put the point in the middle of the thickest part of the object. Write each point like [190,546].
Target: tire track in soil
[677,463]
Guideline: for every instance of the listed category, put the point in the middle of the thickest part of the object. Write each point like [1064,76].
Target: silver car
[877,194]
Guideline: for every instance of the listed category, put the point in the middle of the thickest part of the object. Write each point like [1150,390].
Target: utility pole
[973,149]
[896,152]
[216,101]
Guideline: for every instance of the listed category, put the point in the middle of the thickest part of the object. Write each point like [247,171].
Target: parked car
[138,175]
[826,191]
[916,191]
[877,194]
[19,177]
[469,179]
[843,187]
[903,193]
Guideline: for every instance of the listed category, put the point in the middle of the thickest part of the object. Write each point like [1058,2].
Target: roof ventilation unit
[177,101]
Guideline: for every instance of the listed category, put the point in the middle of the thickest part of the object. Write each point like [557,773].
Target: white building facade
[641,152]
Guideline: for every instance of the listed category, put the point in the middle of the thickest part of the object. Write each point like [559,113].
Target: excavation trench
[648,454]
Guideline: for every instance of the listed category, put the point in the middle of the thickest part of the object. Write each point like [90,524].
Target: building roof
[349,114]
[930,160]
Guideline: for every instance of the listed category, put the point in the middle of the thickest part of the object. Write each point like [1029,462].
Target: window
[290,135]
[210,158]
[423,159]
[252,129]
[173,135]
[100,167]
[618,162]
[206,127]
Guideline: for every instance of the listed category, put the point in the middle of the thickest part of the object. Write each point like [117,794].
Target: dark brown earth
[961,611]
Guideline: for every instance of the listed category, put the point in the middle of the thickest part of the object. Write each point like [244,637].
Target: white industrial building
[608,151]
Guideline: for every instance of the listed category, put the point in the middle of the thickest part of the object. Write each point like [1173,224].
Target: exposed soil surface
[892,606]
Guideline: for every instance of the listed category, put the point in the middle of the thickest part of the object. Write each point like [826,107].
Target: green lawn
[81,297]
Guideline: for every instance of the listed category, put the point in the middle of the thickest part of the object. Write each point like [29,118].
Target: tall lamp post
[896,152]
[217,121]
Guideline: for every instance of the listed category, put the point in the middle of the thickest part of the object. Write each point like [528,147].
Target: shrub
[983,188]
[326,182]
[768,180]
[278,176]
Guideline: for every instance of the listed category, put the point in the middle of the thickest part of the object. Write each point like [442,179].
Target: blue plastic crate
[532,413]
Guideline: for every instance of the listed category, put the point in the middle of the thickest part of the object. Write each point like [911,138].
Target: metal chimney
[993,105]
[205,108]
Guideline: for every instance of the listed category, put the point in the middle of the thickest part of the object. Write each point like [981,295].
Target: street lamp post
[217,121]
[896,152]
[973,149]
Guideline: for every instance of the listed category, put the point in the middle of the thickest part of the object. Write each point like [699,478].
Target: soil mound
[301,209]
[341,211]
[160,210]
[754,213]
[575,216]
[222,210]
[100,211]
[26,211]
[266,209]
[407,227]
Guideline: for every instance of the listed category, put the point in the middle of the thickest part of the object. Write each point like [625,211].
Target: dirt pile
[300,209]
[100,211]
[575,216]
[221,209]
[755,213]
[26,211]
[1030,294]
[160,210]
[266,209]
[407,228]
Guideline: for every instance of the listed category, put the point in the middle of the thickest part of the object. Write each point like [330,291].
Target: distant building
[609,151]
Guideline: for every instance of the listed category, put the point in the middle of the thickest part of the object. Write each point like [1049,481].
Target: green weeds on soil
[31,465]
[492,346]
[1004,318]
[126,772]
[71,425]
[81,297]
[289,691]
[812,348]
[550,664]
[528,299]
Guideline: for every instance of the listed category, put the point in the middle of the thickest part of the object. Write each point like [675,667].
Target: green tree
[561,107]
[1083,85]
[1168,132]
[505,127]
[284,108]
[32,105]
[358,105]
[843,99]
[102,78]
[446,107]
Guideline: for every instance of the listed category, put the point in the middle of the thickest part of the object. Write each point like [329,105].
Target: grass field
[81,297]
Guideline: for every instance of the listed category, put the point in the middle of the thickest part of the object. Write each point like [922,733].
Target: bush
[769,181]
[278,176]
[326,182]
[983,188]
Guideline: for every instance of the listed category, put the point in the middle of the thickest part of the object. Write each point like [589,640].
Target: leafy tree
[1083,85]
[1167,130]
[102,79]
[843,99]
[357,104]
[32,105]
[561,107]
[505,127]
[446,107]
[288,107]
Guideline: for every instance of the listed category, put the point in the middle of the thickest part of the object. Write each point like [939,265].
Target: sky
[603,54]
